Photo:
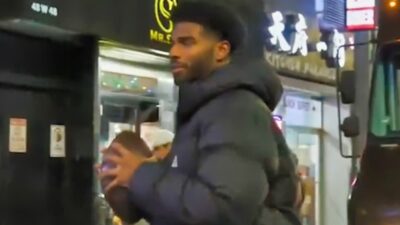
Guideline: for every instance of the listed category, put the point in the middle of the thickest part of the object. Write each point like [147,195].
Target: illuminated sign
[358,4]
[276,31]
[299,39]
[303,112]
[162,16]
[297,42]
[44,9]
[288,35]
[335,50]
[360,15]
[360,19]
[330,46]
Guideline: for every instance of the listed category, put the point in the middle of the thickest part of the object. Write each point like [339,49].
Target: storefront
[302,47]
[135,88]
[133,38]
[135,82]
[301,116]
[308,114]
[128,41]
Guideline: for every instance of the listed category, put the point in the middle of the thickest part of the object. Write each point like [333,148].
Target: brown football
[118,197]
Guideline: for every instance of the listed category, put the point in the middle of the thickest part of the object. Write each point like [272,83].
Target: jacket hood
[256,76]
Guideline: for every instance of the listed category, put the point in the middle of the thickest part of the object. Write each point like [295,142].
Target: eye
[187,41]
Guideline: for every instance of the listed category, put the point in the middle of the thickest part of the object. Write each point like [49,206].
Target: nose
[174,52]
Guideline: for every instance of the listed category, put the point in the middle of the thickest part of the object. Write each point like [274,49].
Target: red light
[278,121]
[354,182]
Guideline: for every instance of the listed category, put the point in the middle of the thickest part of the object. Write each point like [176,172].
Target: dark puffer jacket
[224,157]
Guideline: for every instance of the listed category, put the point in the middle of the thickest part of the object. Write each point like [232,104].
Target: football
[118,197]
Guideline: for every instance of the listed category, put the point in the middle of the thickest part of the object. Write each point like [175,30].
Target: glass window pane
[378,119]
[385,120]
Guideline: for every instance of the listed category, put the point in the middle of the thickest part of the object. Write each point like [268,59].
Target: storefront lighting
[114,66]
[392,4]
[303,146]
[133,56]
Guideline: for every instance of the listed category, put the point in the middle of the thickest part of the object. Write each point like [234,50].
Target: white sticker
[57,141]
[18,132]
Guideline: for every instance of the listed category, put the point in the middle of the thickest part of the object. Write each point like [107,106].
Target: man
[224,153]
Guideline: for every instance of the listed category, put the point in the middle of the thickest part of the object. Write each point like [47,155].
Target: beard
[197,69]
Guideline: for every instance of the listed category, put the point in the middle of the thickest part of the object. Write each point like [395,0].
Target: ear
[223,51]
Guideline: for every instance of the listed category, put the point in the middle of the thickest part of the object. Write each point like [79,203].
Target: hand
[97,167]
[126,163]
[153,159]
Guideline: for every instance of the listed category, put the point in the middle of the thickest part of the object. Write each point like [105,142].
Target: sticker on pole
[57,141]
[18,130]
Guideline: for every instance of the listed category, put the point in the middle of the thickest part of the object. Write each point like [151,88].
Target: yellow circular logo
[163,9]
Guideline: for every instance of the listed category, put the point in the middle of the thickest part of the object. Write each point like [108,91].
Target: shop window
[131,84]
